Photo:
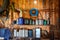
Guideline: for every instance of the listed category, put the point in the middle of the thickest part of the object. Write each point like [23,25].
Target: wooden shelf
[43,27]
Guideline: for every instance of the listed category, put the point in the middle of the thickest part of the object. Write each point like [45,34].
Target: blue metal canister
[30,33]
[2,31]
[20,21]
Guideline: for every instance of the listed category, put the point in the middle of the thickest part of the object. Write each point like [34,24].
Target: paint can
[26,33]
[21,33]
[40,22]
[38,32]
[37,22]
[45,22]
[15,32]
[30,22]
[30,33]
[20,21]
[26,21]
[48,21]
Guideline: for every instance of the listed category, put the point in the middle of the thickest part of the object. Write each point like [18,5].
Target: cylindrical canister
[48,21]
[38,33]
[40,22]
[37,22]
[26,21]
[31,22]
[15,32]
[21,32]
[45,22]
[30,33]
[34,33]
[20,21]
[26,33]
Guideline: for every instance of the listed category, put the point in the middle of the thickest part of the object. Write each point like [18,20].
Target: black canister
[15,22]
[30,33]
[26,21]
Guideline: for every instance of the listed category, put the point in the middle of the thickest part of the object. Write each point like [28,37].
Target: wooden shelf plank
[43,27]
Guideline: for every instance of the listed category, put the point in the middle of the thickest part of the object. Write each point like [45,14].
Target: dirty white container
[38,32]
[15,32]
[26,33]
[21,33]
[37,22]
